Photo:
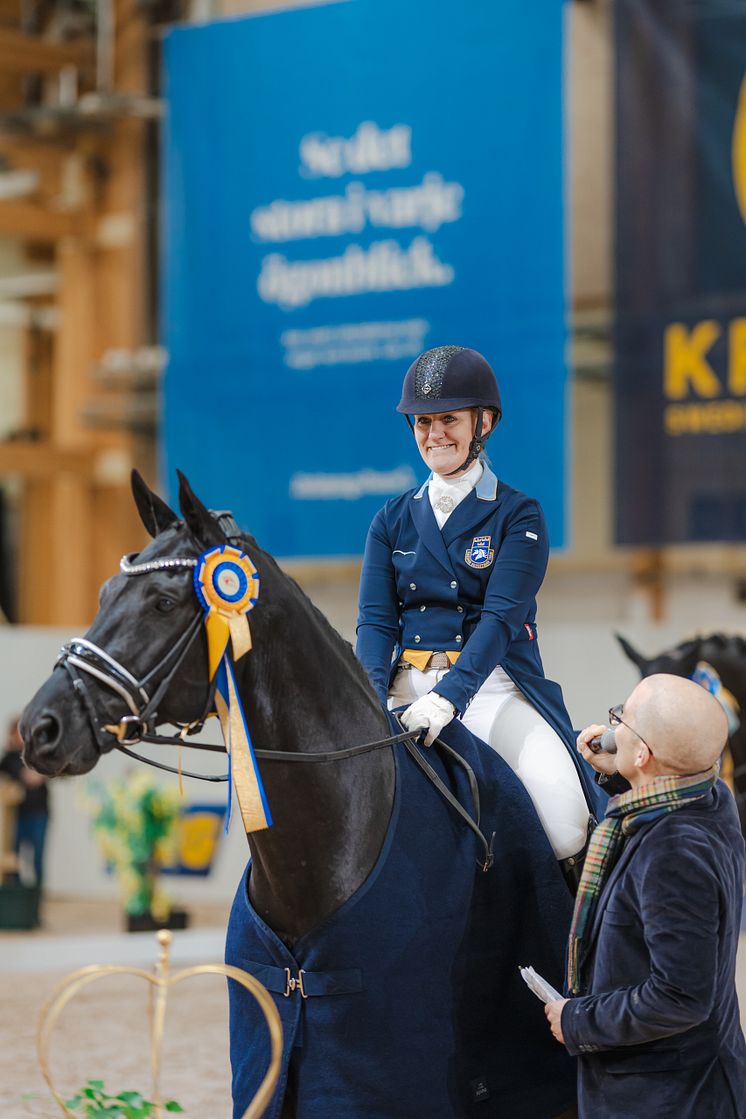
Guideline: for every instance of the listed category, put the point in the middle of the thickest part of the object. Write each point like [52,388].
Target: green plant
[133,824]
[93,1100]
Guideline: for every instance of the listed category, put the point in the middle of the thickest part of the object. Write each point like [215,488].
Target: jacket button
[417,638]
[460,609]
[423,608]
[454,584]
[458,637]
[413,586]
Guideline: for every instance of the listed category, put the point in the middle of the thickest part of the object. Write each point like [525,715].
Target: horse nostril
[45,732]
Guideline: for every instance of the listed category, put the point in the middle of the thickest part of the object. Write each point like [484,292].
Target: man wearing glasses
[653,1013]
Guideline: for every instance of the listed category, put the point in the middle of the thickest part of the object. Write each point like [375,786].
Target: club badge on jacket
[480,554]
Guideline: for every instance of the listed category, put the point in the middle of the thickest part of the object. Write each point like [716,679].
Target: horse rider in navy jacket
[655,1019]
[447,619]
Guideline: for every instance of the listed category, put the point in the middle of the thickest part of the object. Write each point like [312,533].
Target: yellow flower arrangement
[133,823]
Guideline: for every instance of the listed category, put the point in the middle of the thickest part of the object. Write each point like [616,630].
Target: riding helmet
[447,378]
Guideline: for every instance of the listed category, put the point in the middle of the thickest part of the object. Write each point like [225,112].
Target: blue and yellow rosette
[227,586]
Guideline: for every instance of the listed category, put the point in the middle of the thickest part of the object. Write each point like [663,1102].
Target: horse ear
[636,658]
[154,513]
[200,521]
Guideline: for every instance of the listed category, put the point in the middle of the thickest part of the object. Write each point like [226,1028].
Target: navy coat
[658,1032]
[471,587]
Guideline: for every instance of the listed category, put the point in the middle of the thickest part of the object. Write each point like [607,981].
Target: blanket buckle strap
[294,984]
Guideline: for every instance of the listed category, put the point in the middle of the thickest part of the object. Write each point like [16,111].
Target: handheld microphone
[606,744]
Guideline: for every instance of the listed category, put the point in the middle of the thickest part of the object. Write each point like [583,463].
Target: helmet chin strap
[475,447]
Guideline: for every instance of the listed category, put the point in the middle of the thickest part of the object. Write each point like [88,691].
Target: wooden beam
[43,460]
[29,54]
[648,573]
[73,580]
[32,222]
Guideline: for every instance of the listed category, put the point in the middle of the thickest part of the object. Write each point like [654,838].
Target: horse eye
[165,604]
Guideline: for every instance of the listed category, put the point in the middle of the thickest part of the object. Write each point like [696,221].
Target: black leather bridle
[82,658]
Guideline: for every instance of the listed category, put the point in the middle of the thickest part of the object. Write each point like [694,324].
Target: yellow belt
[419,658]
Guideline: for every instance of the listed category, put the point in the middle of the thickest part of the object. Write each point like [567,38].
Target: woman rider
[447,598]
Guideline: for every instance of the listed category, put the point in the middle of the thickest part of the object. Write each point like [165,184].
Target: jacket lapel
[427,528]
[466,517]
[474,509]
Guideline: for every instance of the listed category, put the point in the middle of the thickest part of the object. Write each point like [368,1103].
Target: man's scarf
[625,815]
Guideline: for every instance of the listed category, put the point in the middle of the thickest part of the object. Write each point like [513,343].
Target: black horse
[304,692]
[727,655]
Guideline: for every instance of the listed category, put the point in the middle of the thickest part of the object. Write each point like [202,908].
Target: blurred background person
[31,812]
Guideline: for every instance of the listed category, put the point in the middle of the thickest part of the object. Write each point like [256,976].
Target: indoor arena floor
[103,1034]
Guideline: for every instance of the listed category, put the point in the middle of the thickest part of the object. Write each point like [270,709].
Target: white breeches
[500,715]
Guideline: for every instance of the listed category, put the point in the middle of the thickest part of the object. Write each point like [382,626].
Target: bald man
[653,1014]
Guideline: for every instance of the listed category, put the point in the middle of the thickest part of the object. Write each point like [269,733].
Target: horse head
[148,625]
[679,661]
[144,662]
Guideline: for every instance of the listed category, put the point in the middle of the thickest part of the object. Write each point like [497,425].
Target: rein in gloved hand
[430,713]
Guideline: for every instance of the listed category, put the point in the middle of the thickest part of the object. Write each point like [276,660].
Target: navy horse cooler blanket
[415,1006]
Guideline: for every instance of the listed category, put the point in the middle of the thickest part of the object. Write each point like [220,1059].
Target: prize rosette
[227,585]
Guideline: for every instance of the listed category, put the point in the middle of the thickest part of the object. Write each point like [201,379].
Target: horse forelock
[684,648]
[174,542]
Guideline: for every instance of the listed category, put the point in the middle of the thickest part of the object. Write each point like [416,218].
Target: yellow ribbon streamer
[218,634]
[243,776]
[227,584]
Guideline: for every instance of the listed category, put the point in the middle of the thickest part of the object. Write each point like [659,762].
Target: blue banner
[345,186]
[680,332]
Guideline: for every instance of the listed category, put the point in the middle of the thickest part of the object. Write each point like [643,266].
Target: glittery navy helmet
[449,378]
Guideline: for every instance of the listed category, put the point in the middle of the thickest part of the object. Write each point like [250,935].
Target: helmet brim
[422,407]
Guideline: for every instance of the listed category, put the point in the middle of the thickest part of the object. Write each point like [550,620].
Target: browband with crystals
[127,567]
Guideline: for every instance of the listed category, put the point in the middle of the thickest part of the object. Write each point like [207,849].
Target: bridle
[82,658]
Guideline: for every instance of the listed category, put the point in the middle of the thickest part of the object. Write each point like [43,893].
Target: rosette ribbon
[227,586]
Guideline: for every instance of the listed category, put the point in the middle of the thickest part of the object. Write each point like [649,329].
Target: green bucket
[19,906]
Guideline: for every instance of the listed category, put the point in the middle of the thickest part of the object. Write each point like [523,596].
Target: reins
[410,740]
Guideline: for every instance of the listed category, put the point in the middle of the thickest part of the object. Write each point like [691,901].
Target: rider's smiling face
[443,438]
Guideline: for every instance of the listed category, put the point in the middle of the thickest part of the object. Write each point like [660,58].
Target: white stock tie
[445,494]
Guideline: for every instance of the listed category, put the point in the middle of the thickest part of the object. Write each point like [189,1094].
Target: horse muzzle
[56,733]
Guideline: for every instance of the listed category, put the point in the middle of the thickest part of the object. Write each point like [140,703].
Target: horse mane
[726,641]
[721,641]
[317,616]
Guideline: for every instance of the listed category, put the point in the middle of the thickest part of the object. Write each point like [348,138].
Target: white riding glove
[430,712]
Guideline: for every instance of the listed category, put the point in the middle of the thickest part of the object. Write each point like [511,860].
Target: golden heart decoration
[161,980]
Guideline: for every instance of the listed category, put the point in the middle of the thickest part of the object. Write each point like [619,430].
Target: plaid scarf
[625,815]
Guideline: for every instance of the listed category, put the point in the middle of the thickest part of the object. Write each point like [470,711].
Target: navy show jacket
[658,1032]
[469,587]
